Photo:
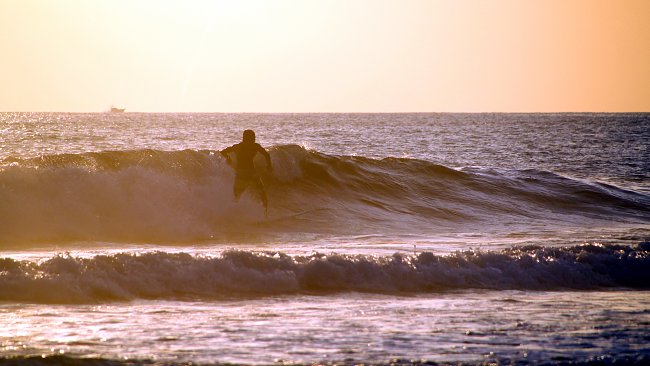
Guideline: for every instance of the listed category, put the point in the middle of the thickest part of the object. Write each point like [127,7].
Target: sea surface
[390,239]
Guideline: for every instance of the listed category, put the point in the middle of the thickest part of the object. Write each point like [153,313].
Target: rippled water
[461,326]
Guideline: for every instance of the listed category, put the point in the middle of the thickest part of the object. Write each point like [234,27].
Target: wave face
[185,196]
[161,275]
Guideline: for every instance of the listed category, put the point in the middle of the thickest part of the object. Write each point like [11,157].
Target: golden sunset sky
[325,56]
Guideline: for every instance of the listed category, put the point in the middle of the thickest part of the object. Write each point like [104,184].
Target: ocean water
[390,238]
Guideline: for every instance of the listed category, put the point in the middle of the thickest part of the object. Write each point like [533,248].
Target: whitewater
[390,238]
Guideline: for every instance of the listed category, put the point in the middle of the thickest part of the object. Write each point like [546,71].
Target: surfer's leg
[260,189]
[265,201]
[238,188]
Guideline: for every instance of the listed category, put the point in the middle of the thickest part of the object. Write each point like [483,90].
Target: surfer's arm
[225,153]
[266,155]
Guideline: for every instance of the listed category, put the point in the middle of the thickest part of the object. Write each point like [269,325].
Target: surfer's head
[249,136]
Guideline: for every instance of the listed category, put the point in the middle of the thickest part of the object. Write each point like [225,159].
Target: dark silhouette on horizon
[245,174]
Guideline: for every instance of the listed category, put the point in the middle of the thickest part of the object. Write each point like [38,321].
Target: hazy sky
[325,56]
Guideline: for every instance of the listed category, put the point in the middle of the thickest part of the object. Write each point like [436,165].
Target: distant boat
[117,110]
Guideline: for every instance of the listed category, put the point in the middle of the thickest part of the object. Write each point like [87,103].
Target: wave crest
[161,275]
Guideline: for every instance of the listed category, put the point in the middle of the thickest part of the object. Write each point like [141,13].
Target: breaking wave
[162,275]
[185,196]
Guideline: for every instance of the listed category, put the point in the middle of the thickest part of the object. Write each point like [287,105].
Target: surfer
[245,174]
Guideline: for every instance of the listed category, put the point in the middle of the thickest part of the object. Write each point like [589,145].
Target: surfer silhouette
[245,174]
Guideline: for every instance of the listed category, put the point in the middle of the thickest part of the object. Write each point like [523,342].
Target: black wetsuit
[245,174]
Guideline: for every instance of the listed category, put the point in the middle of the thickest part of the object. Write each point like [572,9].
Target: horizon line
[413,112]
